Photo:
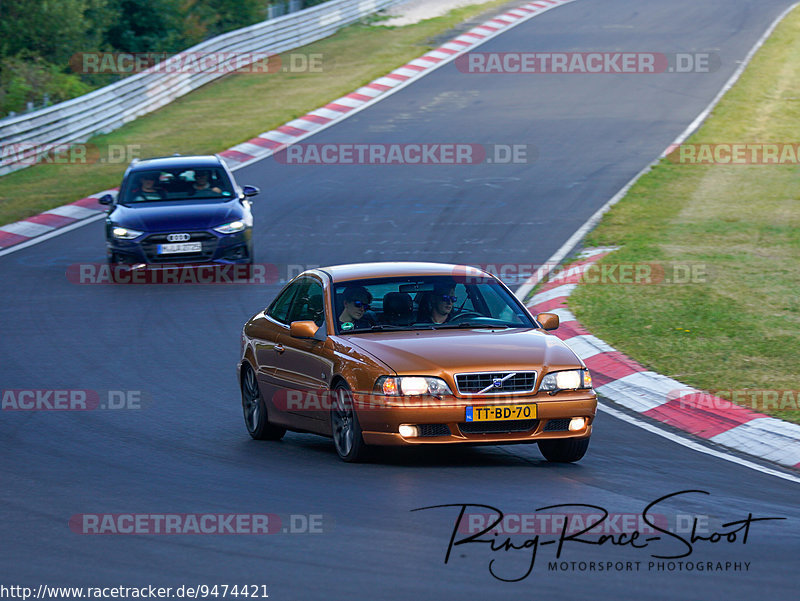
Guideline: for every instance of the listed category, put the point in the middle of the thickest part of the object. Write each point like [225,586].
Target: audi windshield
[177,185]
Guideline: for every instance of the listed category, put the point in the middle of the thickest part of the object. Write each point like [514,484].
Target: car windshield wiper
[197,198]
[376,328]
[471,324]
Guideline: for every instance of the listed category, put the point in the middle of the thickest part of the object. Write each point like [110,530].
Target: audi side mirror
[106,199]
[251,190]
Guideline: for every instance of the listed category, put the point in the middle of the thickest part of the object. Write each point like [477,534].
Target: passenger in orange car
[356,305]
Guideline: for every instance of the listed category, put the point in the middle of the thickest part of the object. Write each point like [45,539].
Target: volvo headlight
[123,233]
[411,385]
[572,379]
[230,228]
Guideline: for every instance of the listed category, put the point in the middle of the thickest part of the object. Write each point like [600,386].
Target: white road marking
[691,444]
[581,232]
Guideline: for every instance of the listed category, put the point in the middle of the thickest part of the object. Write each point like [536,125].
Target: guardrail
[110,107]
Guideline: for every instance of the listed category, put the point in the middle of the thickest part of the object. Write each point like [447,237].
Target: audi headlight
[411,385]
[572,379]
[123,233]
[230,228]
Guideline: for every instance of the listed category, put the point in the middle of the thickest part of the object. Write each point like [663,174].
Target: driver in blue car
[202,186]
[356,305]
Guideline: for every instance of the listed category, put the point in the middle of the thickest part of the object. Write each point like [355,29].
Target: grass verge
[233,109]
[735,328]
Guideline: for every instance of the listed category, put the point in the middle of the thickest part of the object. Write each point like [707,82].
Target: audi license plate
[180,247]
[499,413]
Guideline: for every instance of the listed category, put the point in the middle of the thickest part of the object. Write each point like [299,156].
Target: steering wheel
[464,315]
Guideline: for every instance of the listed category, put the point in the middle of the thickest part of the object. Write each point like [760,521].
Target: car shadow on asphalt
[432,456]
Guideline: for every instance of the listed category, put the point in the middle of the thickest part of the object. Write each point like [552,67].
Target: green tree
[37,40]
[204,19]
[52,29]
[39,37]
[233,14]
[146,26]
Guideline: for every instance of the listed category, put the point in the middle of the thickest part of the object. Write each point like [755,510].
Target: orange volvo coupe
[408,354]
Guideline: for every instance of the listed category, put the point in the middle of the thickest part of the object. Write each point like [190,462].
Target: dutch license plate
[180,247]
[499,413]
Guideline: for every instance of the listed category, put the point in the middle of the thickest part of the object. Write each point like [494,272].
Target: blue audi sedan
[179,210]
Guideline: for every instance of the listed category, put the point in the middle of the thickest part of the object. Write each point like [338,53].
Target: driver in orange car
[437,307]
[356,305]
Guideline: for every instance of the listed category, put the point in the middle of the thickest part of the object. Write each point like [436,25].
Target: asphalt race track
[187,451]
